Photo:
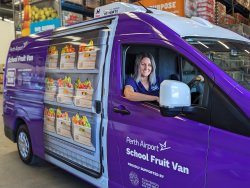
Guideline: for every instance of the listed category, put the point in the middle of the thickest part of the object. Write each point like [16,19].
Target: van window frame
[189,112]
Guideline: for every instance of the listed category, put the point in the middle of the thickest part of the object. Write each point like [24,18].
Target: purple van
[64,102]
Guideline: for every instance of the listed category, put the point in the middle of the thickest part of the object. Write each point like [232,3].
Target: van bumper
[9,133]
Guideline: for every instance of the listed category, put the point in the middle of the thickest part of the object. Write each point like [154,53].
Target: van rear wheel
[24,145]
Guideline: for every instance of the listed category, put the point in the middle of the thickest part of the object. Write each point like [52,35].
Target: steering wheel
[195,96]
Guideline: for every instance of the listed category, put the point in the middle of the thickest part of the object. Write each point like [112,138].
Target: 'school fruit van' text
[63,101]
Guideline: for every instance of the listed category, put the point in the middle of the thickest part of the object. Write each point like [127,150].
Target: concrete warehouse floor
[15,174]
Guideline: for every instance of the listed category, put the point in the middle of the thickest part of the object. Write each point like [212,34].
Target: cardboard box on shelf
[84,93]
[92,4]
[70,18]
[244,3]
[190,8]
[82,102]
[221,9]
[113,1]
[82,134]
[206,9]
[49,96]
[65,91]
[49,123]
[220,12]
[227,20]
[240,19]
[86,60]
[51,61]
[67,61]
[79,2]
[63,127]
[64,99]
[241,29]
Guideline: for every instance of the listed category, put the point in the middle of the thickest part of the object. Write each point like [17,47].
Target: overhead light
[203,44]
[247,51]
[18,2]
[223,44]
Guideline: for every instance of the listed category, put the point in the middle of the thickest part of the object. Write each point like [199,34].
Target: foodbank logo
[133,177]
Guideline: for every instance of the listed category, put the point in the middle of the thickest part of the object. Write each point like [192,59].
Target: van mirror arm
[171,112]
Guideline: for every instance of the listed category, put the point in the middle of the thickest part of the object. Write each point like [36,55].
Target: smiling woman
[143,86]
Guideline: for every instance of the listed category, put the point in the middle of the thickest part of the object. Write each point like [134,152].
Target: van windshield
[231,56]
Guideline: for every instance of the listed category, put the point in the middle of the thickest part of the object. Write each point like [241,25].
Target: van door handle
[121,110]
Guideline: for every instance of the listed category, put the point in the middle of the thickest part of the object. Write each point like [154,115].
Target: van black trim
[226,114]
[74,165]
[10,133]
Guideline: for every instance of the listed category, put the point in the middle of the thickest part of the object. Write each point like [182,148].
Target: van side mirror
[174,95]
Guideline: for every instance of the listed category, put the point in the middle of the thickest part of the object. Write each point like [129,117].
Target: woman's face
[145,67]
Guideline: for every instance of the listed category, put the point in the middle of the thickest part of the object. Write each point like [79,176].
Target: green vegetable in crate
[83,85]
[77,120]
[68,49]
[49,112]
[66,82]
[49,81]
[62,115]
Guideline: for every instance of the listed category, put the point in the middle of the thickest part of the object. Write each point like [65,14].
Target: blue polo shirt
[138,87]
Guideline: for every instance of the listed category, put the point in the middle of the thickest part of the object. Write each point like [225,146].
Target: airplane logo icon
[164,146]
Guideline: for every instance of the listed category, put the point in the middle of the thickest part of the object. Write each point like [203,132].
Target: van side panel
[145,148]
[24,87]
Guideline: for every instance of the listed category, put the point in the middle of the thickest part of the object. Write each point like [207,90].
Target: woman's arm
[135,96]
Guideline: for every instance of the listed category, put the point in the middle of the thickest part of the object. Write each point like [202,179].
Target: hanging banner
[174,6]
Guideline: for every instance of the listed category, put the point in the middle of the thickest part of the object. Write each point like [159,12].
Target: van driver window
[143,85]
[145,67]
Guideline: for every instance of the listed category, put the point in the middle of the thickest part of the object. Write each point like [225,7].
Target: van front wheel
[24,145]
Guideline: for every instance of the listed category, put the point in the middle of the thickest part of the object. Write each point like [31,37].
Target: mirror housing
[174,95]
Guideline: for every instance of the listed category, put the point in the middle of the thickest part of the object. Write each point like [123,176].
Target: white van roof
[185,27]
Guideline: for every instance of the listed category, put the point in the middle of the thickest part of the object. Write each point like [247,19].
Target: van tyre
[24,145]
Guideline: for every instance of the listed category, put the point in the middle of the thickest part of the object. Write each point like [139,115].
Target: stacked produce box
[49,119]
[206,9]
[220,13]
[70,18]
[78,2]
[240,19]
[75,93]
[190,8]
[244,3]
[92,4]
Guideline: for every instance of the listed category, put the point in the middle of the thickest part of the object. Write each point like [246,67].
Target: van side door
[228,154]
[147,148]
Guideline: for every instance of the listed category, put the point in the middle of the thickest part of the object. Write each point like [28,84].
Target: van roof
[196,27]
[185,27]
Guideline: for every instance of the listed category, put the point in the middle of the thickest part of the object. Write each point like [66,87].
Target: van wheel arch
[18,123]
